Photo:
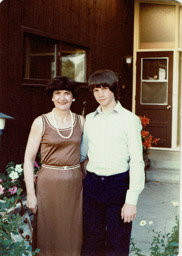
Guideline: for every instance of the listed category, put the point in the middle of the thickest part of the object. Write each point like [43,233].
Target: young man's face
[104,96]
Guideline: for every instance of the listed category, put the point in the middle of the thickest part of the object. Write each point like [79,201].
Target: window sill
[34,82]
[26,82]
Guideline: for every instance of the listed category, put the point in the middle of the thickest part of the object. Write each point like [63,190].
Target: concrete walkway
[155,206]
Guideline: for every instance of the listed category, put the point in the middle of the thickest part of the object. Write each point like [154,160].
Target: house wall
[104,27]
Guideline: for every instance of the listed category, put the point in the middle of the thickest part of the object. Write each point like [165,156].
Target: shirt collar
[118,108]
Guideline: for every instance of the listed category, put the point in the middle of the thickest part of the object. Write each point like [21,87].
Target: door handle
[168,107]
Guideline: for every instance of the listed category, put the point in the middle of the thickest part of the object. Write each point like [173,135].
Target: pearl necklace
[71,132]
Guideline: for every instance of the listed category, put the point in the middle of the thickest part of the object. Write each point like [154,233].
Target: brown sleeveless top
[58,151]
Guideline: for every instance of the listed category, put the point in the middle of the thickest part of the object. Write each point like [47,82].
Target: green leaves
[162,244]
[11,187]
[9,223]
[134,249]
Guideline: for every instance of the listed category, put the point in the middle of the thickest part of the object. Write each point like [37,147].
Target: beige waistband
[61,167]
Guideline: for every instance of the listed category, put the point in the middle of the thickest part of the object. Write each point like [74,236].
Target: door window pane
[154,69]
[154,82]
[156,26]
[39,58]
[154,93]
[73,63]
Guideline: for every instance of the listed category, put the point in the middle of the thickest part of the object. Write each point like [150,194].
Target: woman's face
[62,99]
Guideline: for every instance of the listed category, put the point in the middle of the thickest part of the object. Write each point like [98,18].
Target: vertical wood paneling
[105,27]
[59,13]
[13,98]
[4,39]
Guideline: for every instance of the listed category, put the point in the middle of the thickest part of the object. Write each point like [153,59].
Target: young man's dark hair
[104,78]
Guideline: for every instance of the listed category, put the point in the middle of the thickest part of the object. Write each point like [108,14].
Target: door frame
[148,109]
[174,146]
[175,91]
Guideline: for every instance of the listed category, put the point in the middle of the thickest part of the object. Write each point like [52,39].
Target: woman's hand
[32,203]
[35,177]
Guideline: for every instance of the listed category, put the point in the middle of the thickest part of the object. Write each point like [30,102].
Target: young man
[115,171]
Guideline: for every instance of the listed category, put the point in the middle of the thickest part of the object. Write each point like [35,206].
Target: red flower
[144,133]
[147,144]
[147,139]
[144,120]
[155,140]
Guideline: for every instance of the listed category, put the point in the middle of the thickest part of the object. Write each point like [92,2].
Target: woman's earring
[52,99]
[73,100]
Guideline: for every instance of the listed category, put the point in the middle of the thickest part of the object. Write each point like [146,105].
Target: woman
[57,201]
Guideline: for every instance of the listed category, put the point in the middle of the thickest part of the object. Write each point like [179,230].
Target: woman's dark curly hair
[62,83]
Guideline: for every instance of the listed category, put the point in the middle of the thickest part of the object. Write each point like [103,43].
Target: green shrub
[9,226]
[162,244]
[11,187]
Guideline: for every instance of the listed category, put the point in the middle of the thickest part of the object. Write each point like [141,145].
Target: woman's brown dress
[58,223]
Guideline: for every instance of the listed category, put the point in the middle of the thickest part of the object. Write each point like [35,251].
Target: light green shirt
[112,142]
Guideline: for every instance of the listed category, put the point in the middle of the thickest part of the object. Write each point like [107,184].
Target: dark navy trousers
[104,233]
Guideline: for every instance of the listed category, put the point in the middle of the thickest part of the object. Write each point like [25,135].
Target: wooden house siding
[105,28]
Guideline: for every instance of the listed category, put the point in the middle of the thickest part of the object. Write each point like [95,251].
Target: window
[39,58]
[154,83]
[45,58]
[73,63]
[157,23]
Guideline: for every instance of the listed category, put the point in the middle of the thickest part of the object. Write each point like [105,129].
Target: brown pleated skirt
[58,222]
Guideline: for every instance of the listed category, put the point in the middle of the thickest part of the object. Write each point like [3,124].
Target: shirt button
[102,178]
